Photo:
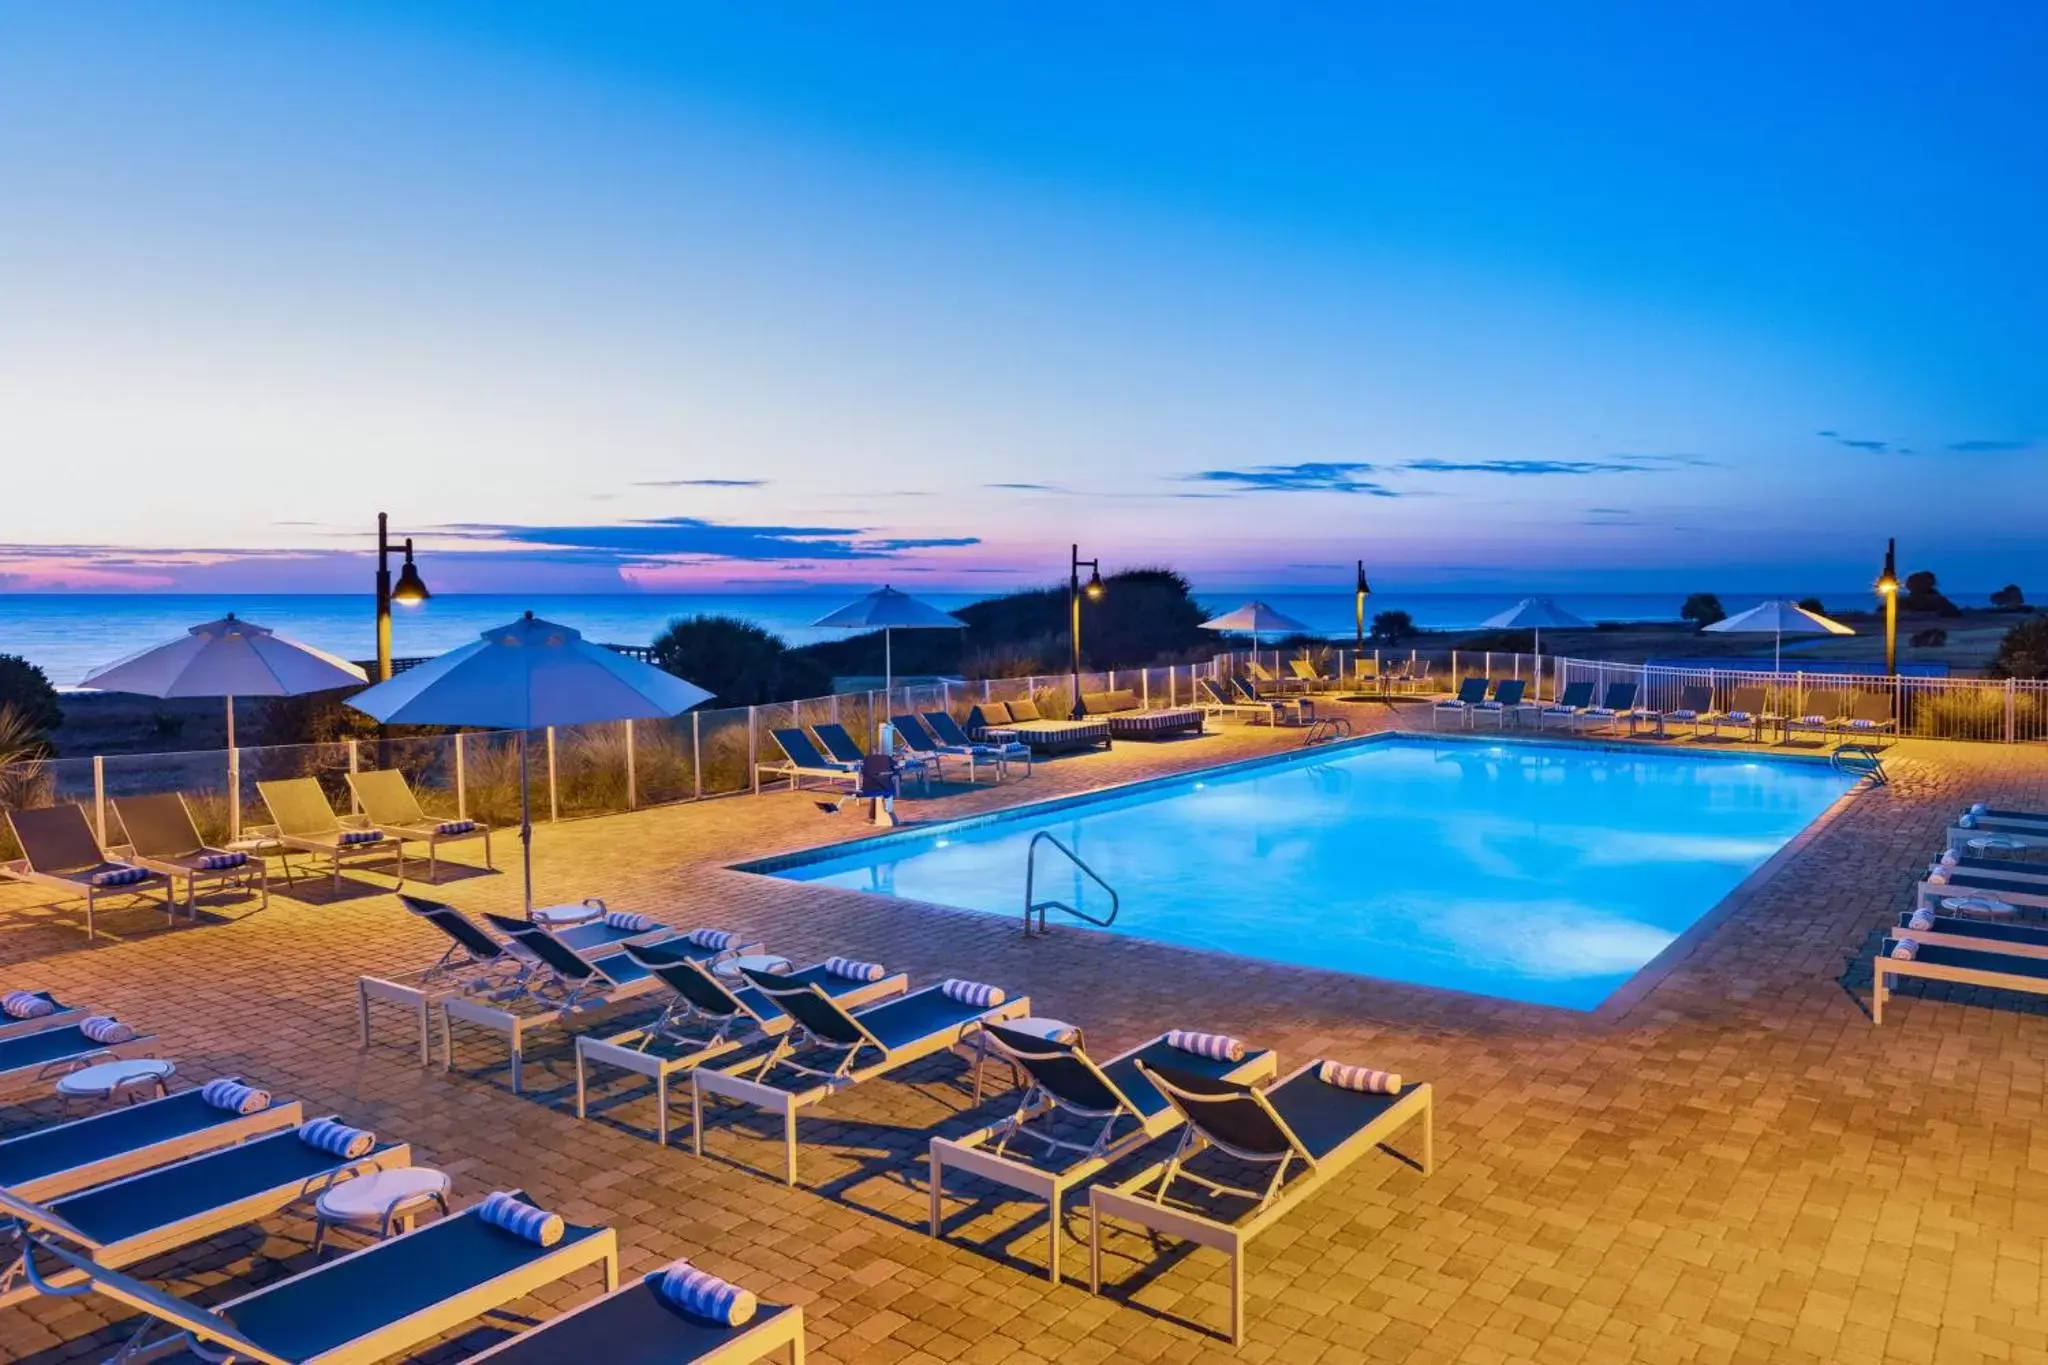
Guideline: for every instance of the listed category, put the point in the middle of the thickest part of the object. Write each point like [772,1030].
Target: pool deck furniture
[46,1053]
[60,852]
[2014,891]
[60,1015]
[1279,710]
[1987,835]
[586,929]
[1067,1086]
[370,1305]
[1749,708]
[957,740]
[1978,935]
[1695,708]
[922,739]
[1999,969]
[116,1079]
[473,964]
[802,762]
[636,1324]
[2021,869]
[729,1012]
[1301,1125]
[1571,704]
[1867,714]
[1128,718]
[2011,817]
[1823,710]
[1504,705]
[1616,712]
[996,722]
[1471,691]
[380,1204]
[859,1046]
[303,822]
[186,1202]
[390,804]
[1311,678]
[1266,680]
[163,837]
[61,1158]
[841,747]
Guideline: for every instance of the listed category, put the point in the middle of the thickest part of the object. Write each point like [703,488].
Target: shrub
[2009,598]
[737,661]
[1392,627]
[1972,713]
[1702,609]
[1931,638]
[26,689]
[1814,605]
[2023,653]
[1923,596]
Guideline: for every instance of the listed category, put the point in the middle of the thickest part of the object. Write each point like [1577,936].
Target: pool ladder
[1326,730]
[1034,906]
[1862,761]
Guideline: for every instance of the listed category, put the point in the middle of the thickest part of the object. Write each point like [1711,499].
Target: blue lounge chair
[1980,935]
[1002,752]
[1569,706]
[60,1015]
[370,1305]
[858,1046]
[49,1052]
[62,1158]
[473,963]
[1961,883]
[1505,702]
[1471,692]
[1999,970]
[1617,706]
[636,1324]
[801,761]
[841,748]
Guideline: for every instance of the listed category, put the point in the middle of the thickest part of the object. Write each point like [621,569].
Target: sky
[600,296]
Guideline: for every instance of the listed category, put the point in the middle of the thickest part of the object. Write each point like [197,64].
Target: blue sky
[677,295]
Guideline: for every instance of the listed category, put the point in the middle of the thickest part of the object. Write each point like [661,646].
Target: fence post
[99,796]
[697,752]
[1489,663]
[753,749]
[354,757]
[461,781]
[632,778]
[2011,706]
[1454,667]
[554,807]
[234,793]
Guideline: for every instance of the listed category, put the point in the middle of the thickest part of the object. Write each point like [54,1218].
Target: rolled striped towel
[974,993]
[504,1209]
[626,921]
[717,940]
[703,1294]
[119,876]
[1967,820]
[216,862]
[26,1005]
[1948,858]
[1815,719]
[106,1029]
[1905,950]
[1361,1078]
[336,1138]
[1979,808]
[1922,920]
[854,970]
[455,827]
[359,836]
[1217,1046]
[235,1097]
[1938,877]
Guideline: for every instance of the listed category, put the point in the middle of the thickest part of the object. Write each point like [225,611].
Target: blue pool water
[1547,873]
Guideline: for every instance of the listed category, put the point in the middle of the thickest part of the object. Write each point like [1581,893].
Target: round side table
[565,916]
[763,962]
[381,1203]
[127,1077]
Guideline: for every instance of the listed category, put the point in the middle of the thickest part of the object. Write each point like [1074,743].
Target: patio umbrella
[528,675]
[227,658]
[1778,619]
[1256,619]
[888,611]
[1534,613]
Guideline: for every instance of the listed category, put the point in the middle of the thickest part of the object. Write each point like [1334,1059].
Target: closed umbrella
[1777,620]
[1534,614]
[227,658]
[888,610]
[525,676]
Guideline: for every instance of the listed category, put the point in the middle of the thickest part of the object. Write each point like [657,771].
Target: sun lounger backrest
[1063,1071]
[1871,706]
[456,925]
[1696,699]
[1509,693]
[820,1015]
[30,1214]
[799,749]
[914,736]
[1472,690]
[299,807]
[158,826]
[386,798]
[1210,690]
[946,728]
[545,946]
[688,979]
[1750,699]
[1575,696]
[1244,689]
[838,743]
[1825,702]
[1231,1115]
[56,838]
[186,1317]
[1620,696]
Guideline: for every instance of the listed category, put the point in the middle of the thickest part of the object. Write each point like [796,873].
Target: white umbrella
[227,658]
[1256,619]
[888,610]
[1534,613]
[1778,619]
[525,676]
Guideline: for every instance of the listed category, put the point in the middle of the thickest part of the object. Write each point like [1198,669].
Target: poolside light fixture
[410,591]
[1074,593]
[1364,591]
[1888,588]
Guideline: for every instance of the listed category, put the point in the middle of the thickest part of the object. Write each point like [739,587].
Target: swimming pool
[1542,872]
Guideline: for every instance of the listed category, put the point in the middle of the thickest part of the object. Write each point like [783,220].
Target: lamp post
[1074,593]
[1364,591]
[1888,589]
[409,592]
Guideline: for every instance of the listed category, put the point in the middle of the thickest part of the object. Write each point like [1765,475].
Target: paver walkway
[1735,1167]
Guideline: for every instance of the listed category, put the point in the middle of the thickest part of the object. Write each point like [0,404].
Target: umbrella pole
[525,826]
[234,778]
[882,732]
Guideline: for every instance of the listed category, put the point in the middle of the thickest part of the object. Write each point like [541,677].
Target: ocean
[70,634]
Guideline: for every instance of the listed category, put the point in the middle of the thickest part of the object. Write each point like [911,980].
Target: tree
[1702,609]
[1812,604]
[1392,627]
[2009,598]
[2023,653]
[737,661]
[27,689]
[1923,596]
[1934,637]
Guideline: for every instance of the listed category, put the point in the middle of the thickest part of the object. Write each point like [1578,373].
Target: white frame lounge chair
[60,1158]
[900,1031]
[1215,701]
[1695,708]
[304,822]
[841,747]
[1566,710]
[1977,935]
[473,964]
[1999,969]
[189,1201]
[1349,1124]
[60,851]
[1867,714]
[1471,691]
[1617,706]
[163,837]
[2011,835]
[1963,884]
[732,1013]
[953,738]
[802,760]
[390,804]
[1505,702]
[61,1015]
[1758,716]
[370,1305]
[1823,709]
[43,1053]
[636,1324]
[1066,1083]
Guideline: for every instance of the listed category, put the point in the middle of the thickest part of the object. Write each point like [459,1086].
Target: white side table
[760,962]
[128,1076]
[381,1203]
[565,916]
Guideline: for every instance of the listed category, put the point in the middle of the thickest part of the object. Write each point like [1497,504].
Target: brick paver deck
[1733,1166]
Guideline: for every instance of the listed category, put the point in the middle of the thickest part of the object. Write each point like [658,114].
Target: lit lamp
[1888,588]
[409,591]
[1364,591]
[1075,591]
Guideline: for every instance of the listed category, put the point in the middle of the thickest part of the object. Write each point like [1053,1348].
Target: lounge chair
[711,1015]
[1867,714]
[1571,704]
[998,722]
[473,963]
[58,1015]
[801,761]
[2000,970]
[1615,709]
[2019,869]
[1216,701]
[637,1324]
[1279,710]
[1985,834]
[1128,718]
[1822,712]
[1959,884]
[849,1047]
[592,928]
[1695,708]
[1266,679]
[1748,707]
[1308,675]
[390,805]
[163,837]
[1302,1126]
[307,823]
[566,987]
[62,1158]
[370,1305]
[1982,811]
[1505,702]
[956,739]
[1929,929]
[920,739]
[60,851]
[840,747]
[1471,691]
[189,1201]
[1117,1098]
[43,1053]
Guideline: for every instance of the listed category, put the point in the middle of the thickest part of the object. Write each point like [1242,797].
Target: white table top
[560,916]
[367,1198]
[765,962]
[107,1077]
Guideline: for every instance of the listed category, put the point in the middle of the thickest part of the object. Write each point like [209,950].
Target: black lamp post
[1364,591]
[1075,591]
[1888,588]
[409,591]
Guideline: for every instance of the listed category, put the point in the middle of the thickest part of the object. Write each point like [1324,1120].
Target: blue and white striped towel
[1921,919]
[1219,1046]
[717,940]
[120,876]
[626,921]
[1979,808]
[1967,820]
[504,1209]
[336,1138]
[217,862]
[25,1005]
[982,997]
[1948,858]
[854,970]
[234,1097]
[1360,1078]
[107,1030]
[455,827]
[703,1294]
[1905,950]
[359,836]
